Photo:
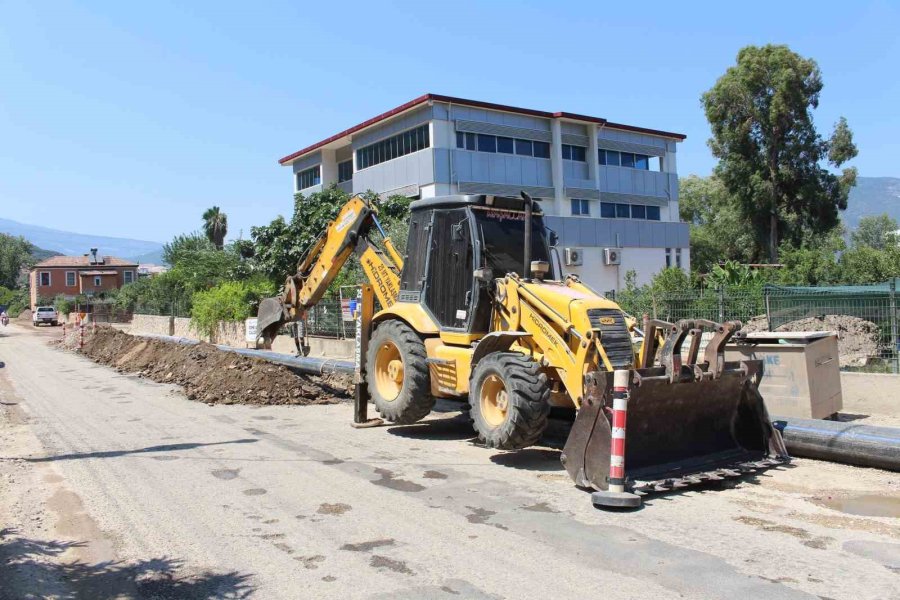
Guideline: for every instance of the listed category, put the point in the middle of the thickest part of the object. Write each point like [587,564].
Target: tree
[279,246]
[877,232]
[718,230]
[15,255]
[183,246]
[770,153]
[215,225]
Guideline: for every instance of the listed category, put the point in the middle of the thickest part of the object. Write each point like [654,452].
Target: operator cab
[457,245]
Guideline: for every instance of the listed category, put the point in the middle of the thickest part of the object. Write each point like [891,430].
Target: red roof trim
[679,136]
[476,104]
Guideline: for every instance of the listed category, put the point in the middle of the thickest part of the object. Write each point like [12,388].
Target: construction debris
[859,340]
[208,374]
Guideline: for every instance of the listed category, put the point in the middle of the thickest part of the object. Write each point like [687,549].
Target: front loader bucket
[683,426]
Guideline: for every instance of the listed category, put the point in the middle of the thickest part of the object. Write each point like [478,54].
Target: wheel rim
[388,371]
[494,401]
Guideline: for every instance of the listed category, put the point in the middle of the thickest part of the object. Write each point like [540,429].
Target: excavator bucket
[686,423]
[269,318]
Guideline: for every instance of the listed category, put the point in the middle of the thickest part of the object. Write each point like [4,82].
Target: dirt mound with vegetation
[859,340]
[208,374]
[25,315]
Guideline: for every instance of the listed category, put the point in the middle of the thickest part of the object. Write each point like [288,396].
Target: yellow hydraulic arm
[325,259]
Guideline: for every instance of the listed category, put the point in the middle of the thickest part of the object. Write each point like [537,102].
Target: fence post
[768,309]
[720,291]
[893,295]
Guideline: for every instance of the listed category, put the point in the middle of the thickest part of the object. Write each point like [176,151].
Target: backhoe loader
[479,310]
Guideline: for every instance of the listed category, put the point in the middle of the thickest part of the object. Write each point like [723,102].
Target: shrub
[228,301]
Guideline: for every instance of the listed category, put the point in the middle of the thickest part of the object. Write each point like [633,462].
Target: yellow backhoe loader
[479,310]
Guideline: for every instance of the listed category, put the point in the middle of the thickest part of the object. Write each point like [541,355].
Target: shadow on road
[533,459]
[456,428]
[29,567]
[115,453]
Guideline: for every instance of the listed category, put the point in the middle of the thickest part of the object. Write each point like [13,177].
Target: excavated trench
[208,374]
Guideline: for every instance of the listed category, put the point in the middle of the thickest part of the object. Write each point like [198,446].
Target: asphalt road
[112,486]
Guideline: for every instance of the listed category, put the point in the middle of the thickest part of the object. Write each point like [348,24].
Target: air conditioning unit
[612,256]
[574,257]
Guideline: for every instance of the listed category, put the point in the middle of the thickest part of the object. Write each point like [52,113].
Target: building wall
[445,169]
[645,262]
[83,284]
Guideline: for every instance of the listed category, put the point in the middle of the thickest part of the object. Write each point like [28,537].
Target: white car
[45,314]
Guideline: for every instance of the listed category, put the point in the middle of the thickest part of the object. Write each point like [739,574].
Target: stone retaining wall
[232,334]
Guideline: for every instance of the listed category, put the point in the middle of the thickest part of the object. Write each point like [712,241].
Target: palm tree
[215,225]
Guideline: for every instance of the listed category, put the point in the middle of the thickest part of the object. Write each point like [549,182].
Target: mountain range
[76,244]
[872,196]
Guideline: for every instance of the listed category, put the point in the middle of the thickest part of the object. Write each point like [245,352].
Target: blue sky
[130,118]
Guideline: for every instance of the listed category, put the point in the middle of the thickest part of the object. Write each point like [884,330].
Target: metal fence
[864,316]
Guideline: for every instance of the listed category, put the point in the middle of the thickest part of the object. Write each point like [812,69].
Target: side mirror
[484,274]
[553,238]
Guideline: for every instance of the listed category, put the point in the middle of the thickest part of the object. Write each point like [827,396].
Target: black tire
[414,400]
[54,323]
[527,399]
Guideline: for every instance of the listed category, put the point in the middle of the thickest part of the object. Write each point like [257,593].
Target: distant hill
[76,244]
[872,196]
[40,254]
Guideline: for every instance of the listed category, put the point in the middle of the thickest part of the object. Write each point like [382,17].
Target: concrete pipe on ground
[842,442]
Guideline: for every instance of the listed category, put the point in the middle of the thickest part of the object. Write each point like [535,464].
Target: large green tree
[771,158]
[215,226]
[877,232]
[718,230]
[15,254]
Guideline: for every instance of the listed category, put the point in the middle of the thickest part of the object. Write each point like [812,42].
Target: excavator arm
[321,264]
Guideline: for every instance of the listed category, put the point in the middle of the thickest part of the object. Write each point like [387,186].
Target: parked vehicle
[45,314]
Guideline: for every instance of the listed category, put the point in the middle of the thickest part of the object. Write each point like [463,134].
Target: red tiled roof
[478,104]
[84,261]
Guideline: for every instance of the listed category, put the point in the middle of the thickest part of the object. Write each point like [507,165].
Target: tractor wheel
[510,401]
[397,373]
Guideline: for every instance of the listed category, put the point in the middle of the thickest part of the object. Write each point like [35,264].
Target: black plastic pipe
[848,443]
[303,364]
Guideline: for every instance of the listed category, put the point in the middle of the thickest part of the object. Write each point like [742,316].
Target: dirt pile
[208,374]
[25,315]
[859,340]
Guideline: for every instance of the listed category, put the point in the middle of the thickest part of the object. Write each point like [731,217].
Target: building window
[610,158]
[668,257]
[345,171]
[570,152]
[630,160]
[581,207]
[97,281]
[524,147]
[678,257]
[129,277]
[44,278]
[487,143]
[505,145]
[70,278]
[394,147]
[610,210]
[541,149]
[308,178]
